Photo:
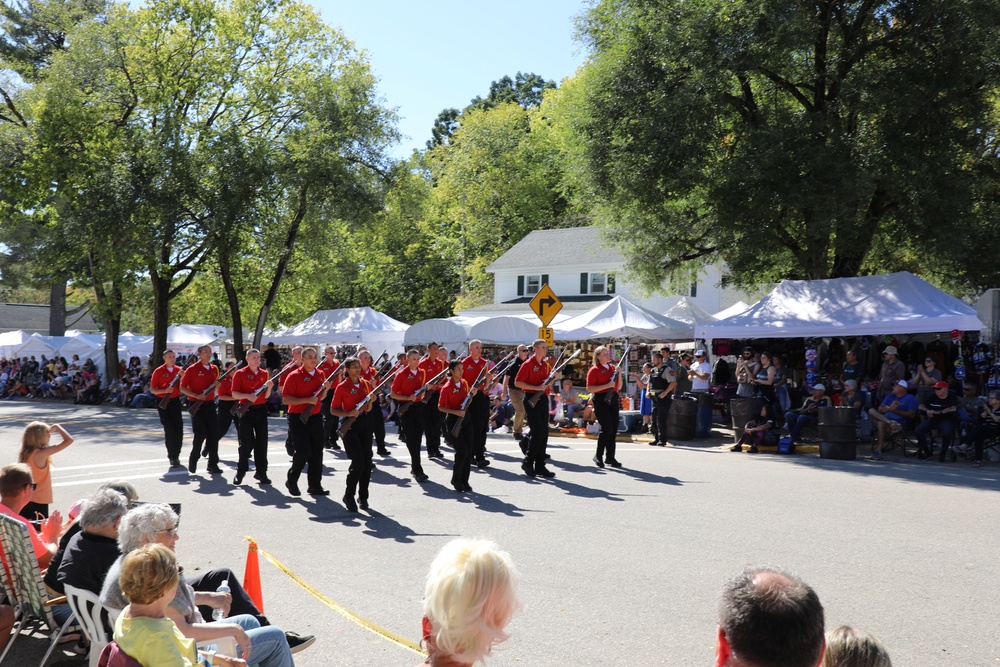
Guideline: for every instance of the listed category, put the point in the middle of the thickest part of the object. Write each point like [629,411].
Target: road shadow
[486,503]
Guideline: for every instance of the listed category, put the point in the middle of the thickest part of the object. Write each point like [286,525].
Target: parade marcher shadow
[575,467]
[644,476]
[269,496]
[484,502]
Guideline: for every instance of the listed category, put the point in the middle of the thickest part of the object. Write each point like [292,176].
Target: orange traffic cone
[251,577]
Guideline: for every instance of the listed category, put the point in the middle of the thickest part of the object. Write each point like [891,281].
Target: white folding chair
[87,609]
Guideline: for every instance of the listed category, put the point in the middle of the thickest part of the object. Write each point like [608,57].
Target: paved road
[619,567]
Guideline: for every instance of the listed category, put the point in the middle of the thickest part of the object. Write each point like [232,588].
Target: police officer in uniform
[662,385]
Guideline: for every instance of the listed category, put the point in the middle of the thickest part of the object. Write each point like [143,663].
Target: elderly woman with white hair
[265,646]
[470,597]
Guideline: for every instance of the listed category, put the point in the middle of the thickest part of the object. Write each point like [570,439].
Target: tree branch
[787,85]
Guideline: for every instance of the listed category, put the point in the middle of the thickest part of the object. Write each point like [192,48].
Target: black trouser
[253,440]
[607,417]
[358,445]
[412,421]
[307,449]
[209,582]
[463,450]
[205,424]
[173,426]
[331,423]
[537,416]
[227,418]
[661,408]
[984,431]
[377,425]
[478,416]
[432,420]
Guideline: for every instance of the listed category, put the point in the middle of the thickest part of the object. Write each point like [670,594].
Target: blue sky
[433,55]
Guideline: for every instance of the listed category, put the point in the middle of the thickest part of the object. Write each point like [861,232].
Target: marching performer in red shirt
[165,381]
[531,379]
[329,366]
[198,384]
[369,373]
[358,440]
[599,383]
[452,396]
[226,403]
[479,407]
[253,425]
[299,393]
[407,382]
[433,418]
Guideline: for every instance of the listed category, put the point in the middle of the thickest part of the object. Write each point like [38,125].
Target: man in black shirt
[941,410]
[515,395]
[662,384]
[91,552]
[272,358]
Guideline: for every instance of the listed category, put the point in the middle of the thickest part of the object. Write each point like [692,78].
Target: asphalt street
[619,567]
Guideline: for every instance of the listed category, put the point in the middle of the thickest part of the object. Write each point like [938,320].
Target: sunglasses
[34,487]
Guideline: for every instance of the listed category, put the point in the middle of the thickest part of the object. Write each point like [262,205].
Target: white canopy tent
[504,331]
[136,345]
[620,318]
[346,326]
[36,345]
[92,346]
[449,332]
[12,340]
[187,338]
[735,309]
[687,311]
[895,303]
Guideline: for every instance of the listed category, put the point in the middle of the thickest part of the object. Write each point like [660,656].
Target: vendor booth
[346,326]
[620,318]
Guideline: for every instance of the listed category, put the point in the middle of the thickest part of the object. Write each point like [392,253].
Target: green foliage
[790,140]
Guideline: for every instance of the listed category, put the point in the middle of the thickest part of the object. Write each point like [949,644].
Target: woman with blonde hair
[850,647]
[470,597]
[36,452]
[143,630]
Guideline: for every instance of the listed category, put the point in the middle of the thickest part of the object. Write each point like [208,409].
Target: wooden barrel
[742,411]
[681,418]
[838,433]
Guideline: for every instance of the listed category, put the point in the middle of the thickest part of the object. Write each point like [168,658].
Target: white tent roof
[11,340]
[37,345]
[505,331]
[194,334]
[620,318]
[895,303]
[687,311]
[346,326]
[734,309]
[136,345]
[448,332]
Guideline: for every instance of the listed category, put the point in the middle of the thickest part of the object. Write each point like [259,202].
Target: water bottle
[217,613]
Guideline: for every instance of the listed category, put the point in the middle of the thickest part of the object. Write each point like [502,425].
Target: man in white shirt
[699,373]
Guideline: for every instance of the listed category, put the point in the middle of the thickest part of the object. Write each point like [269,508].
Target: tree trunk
[279,271]
[234,306]
[112,327]
[161,312]
[57,308]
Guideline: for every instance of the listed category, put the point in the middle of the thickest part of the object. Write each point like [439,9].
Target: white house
[581,270]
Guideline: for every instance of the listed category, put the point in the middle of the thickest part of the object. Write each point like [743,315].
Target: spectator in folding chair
[16,491]
[894,415]
[988,427]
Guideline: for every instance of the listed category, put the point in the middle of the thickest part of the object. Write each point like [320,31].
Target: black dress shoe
[238,479]
[293,488]
[317,492]
[468,489]
[214,470]
[614,463]
[175,463]
[383,452]
[350,504]
[193,466]
[482,463]
[363,504]
[262,479]
[334,445]
[598,462]
[544,472]
[420,476]
[528,469]
[458,488]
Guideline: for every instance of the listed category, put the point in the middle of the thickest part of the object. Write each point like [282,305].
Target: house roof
[34,318]
[558,247]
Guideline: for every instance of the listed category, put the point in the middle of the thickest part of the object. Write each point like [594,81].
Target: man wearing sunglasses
[16,491]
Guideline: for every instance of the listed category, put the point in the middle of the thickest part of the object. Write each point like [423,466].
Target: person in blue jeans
[894,415]
[941,410]
[796,420]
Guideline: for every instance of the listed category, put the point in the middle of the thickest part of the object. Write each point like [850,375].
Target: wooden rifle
[165,401]
[468,397]
[306,414]
[612,395]
[194,406]
[533,401]
[348,422]
[241,408]
[421,392]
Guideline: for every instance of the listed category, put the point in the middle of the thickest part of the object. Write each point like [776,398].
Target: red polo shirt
[348,394]
[534,372]
[598,375]
[247,381]
[162,377]
[452,394]
[407,382]
[199,378]
[471,369]
[302,384]
[226,388]
[432,368]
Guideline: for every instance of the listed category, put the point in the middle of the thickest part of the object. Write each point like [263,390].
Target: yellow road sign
[546,304]
[548,335]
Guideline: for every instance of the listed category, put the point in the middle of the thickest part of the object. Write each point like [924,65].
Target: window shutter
[611,284]
[545,280]
[584,283]
[520,285]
